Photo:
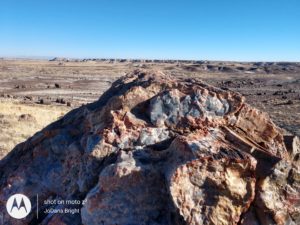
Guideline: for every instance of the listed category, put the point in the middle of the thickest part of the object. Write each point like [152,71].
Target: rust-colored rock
[155,150]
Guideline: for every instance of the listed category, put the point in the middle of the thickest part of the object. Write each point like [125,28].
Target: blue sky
[243,30]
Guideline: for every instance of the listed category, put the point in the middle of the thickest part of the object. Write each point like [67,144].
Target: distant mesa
[204,66]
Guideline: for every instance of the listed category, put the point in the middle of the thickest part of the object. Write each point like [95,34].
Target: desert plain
[34,93]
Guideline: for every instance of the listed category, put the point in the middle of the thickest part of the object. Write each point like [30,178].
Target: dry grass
[15,128]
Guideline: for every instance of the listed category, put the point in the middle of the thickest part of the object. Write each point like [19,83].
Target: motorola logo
[18,206]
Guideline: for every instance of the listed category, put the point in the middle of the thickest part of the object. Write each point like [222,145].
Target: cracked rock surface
[154,150]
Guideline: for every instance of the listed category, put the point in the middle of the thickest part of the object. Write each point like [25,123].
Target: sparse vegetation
[18,121]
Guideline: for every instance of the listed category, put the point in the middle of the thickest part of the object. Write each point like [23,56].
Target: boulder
[155,150]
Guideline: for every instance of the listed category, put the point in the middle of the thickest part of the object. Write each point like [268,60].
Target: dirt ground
[34,93]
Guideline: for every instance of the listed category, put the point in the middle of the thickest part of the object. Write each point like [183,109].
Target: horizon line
[48,58]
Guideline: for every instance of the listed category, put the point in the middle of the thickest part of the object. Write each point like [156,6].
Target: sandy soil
[36,93]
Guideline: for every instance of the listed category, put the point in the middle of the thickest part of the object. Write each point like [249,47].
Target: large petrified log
[155,150]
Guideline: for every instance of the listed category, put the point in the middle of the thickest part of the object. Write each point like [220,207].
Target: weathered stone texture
[154,150]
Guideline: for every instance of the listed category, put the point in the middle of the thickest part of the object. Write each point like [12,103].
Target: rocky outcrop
[156,150]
